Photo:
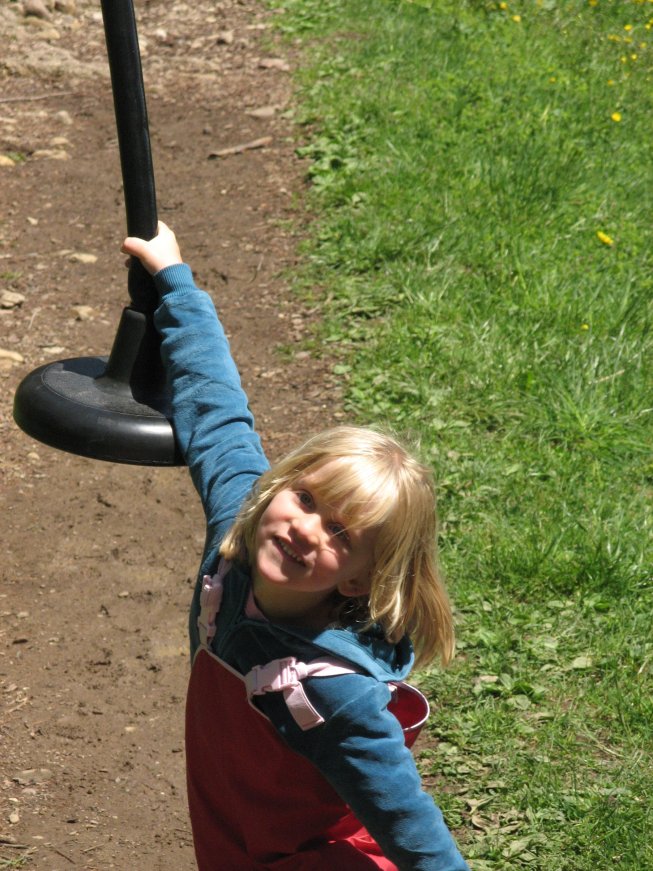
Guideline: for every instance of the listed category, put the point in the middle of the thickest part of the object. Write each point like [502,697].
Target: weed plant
[483,189]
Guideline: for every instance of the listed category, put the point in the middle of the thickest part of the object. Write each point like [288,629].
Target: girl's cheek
[330,561]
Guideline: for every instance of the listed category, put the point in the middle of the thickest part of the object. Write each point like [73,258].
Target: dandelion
[516,18]
[628,27]
[610,82]
[503,6]
[603,237]
[584,326]
[616,117]
[633,57]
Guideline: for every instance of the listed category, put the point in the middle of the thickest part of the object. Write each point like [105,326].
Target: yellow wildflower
[628,26]
[584,326]
[516,18]
[603,237]
[616,117]
[503,6]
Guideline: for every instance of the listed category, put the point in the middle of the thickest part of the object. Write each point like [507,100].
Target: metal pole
[133,138]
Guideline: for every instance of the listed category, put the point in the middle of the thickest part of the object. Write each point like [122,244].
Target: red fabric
[410,707]
[254,803]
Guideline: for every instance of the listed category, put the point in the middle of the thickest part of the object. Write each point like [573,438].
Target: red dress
[256,804]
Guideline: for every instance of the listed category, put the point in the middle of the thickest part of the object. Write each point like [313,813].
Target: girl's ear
[355,587]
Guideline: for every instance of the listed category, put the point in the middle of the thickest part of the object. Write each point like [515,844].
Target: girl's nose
[309,528]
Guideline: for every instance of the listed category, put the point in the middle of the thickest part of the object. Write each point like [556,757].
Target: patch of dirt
[99,559]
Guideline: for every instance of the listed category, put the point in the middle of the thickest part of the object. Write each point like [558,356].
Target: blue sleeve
[360,750]
[212,421]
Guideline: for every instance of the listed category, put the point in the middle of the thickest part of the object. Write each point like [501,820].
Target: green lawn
[483,190]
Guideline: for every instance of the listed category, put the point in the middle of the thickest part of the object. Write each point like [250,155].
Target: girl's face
[304,548]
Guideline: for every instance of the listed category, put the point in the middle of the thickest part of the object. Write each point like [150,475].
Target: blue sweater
[360,747]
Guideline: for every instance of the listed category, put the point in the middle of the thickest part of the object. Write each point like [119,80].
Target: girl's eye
[337,530]
[305,498]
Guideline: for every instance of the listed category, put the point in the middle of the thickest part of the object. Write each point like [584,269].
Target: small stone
[274,63]
[53,349]
[14,817]
[5,160]
[225,37]
[14,356]
[81,257]
[10,299]
[46,29]
[263,112]
[51,154]
[64,117]
[68,7]
[59,141]
[32,776]
[33,221]
[36,8]
[84,312]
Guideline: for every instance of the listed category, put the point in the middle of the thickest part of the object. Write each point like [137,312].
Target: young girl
[314,574]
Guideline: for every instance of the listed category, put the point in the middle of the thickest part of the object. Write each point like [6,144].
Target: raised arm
[212,420]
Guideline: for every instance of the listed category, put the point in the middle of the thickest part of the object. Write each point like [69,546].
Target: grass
[11,862]
[483,194]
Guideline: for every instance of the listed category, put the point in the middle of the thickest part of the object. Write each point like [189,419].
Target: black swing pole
[114,408]
[133,138]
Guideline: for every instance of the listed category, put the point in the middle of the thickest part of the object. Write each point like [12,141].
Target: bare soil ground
[99,559]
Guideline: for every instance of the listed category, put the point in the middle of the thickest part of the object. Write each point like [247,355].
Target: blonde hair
[376,484]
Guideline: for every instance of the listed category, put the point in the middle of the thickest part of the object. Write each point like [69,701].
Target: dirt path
[98,558]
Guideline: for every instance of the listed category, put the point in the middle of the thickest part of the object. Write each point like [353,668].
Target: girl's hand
[156,254]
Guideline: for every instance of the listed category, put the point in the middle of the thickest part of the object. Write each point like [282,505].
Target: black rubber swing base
[74,406]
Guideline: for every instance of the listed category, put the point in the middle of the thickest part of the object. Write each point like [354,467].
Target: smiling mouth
[289,552]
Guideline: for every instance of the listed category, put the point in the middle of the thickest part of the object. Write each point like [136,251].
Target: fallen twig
[52,847]
[31,98]
[90,849]
[244,146]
